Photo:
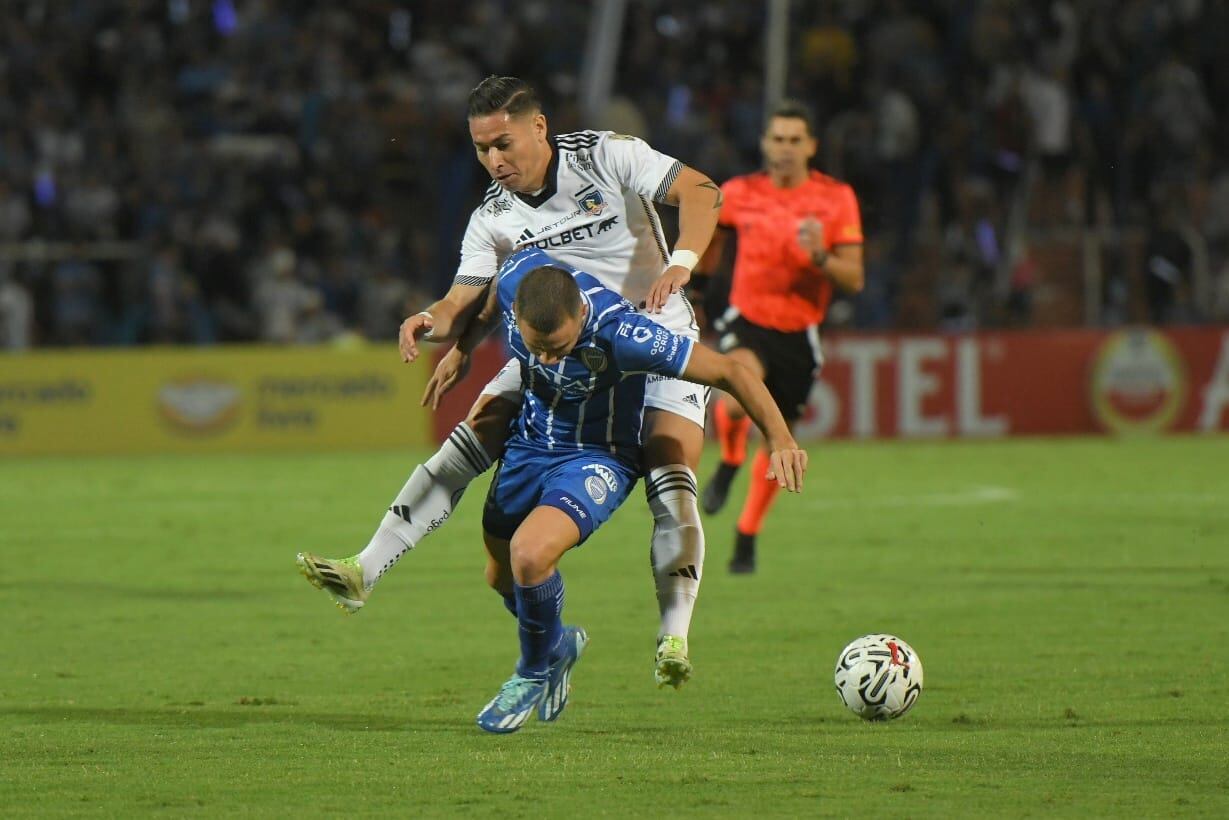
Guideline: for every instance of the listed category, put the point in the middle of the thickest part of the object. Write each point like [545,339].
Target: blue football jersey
[594,398]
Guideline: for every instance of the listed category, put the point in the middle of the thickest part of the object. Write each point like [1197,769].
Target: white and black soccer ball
[879,677]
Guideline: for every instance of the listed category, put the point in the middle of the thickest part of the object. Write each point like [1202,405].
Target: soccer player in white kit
[586,198]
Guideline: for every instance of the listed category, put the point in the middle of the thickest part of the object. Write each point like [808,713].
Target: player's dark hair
[546,298]
[495,94]
[793,110]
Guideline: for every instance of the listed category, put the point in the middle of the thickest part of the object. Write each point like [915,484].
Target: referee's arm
[843,265]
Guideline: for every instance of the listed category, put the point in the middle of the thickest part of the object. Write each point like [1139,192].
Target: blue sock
[539,624]
[510,604]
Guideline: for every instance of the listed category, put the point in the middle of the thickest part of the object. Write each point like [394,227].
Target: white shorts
[682,398]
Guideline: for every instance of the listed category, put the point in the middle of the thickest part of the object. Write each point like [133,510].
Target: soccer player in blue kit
[574,454]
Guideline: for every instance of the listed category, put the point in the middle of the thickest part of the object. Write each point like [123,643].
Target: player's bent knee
[532,561]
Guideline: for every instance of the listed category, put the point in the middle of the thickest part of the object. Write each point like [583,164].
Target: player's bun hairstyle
[511,94]
[794,110]
[546,298]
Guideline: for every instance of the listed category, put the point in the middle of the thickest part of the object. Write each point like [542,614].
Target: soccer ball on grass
[879,677]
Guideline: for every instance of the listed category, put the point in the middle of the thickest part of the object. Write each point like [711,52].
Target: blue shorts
[586,485]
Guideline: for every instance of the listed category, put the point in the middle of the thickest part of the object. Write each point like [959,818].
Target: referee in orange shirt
[799,235]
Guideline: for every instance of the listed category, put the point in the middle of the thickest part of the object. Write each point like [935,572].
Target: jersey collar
[552,171]
[586,332]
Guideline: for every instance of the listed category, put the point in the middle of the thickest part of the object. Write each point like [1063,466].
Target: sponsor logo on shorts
[596,488]
[605,474]
[575,507]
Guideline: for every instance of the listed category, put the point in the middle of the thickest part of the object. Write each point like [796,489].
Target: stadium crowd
[197,171]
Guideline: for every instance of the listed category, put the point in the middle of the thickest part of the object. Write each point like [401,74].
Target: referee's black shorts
[791,360]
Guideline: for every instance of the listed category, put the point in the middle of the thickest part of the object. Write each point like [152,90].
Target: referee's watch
[820,259]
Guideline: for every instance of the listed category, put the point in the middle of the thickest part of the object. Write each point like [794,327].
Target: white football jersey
[595,213]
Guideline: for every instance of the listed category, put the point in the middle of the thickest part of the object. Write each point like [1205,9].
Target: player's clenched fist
[418,326]
[811,235]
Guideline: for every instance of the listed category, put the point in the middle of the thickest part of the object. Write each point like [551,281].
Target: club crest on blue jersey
[593,202]
[593,358]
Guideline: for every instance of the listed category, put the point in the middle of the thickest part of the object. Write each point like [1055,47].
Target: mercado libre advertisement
[226,399]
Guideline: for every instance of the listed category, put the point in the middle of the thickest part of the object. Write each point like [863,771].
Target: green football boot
[672,666]
[341,578]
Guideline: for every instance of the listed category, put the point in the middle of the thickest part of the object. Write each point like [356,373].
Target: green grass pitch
[1070,600]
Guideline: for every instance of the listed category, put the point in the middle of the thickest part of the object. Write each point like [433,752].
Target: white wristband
[684,259]
[430,330]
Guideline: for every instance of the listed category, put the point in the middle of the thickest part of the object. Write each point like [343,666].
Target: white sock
[425,502]
[678,545]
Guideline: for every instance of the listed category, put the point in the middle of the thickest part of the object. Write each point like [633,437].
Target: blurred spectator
[77,287]
[177,313]
[1167,267]
[16,312]
[1048,101]
[281,298]
[315,324]
[1020,286]
[383,302]
[14,213]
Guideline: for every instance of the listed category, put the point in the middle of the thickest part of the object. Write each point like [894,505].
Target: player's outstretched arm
[699,202]
[454,365]
[789,461]
[444,321]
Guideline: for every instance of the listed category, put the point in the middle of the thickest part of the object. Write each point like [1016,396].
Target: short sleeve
[479,256]
[636,166]
[847,229]
[643,346]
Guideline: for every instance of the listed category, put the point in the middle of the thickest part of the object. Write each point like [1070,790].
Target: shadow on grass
[192,717]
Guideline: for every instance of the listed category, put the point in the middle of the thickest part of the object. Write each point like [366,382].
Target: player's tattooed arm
[699,203]
[718,200]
